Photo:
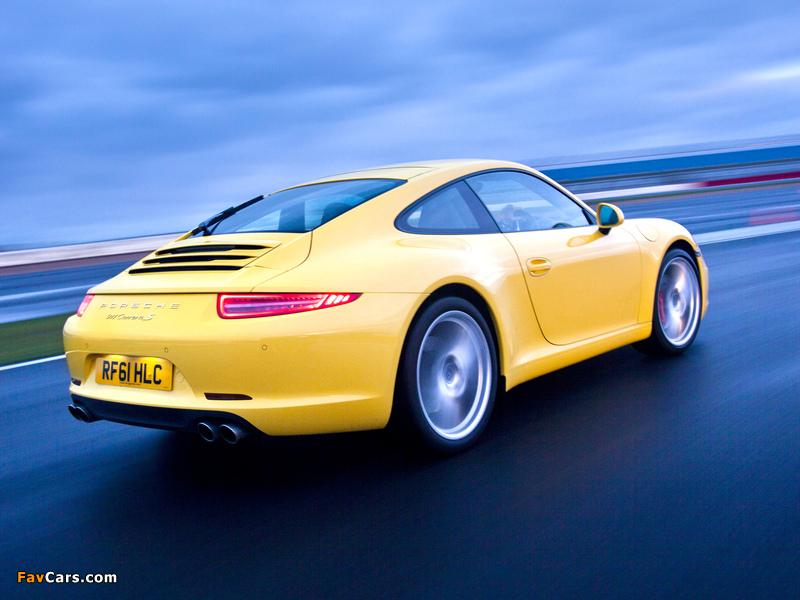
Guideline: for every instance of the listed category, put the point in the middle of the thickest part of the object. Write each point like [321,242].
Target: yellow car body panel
[335,369]
[580,271]
[287,364]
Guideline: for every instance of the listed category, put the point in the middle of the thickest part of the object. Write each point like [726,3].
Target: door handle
[539,266]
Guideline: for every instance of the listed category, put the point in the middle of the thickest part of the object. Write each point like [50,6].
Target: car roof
[408,171]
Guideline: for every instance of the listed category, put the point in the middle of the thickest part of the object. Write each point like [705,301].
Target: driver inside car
[513,218]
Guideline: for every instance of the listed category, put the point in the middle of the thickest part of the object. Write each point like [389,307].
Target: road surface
[621,477]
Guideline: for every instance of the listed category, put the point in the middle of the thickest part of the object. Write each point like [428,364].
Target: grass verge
[31,339]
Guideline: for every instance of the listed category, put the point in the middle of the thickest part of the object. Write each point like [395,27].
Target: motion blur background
[130,118]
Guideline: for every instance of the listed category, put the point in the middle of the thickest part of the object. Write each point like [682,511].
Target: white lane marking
[31,362]
[44,293]
[714,237]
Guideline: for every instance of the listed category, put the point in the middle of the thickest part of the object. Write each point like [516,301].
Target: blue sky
[133,118]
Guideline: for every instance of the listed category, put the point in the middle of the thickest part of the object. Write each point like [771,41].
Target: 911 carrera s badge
[137,305]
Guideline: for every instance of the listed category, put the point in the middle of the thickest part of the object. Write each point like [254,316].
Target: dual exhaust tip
[80,413]
[230,432]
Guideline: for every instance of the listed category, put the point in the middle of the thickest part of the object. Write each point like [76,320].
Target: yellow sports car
[413,292]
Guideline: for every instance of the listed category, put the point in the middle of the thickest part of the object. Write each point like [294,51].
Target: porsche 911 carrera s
[412,292]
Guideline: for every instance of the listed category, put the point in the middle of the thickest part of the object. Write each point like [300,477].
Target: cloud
[167,112]
[777,73]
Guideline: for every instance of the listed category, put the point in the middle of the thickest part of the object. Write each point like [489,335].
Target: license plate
[134,371]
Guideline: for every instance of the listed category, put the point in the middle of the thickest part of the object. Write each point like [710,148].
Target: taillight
[245,306]
[85,304]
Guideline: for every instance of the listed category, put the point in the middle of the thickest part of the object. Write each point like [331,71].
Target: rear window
[304,208]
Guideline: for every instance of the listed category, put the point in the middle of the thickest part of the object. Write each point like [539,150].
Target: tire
[676,307]
[447,379]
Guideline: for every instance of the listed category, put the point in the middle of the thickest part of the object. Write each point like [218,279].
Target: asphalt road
[623,476]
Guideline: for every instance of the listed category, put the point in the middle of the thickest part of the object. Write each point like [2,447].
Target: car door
[582,283]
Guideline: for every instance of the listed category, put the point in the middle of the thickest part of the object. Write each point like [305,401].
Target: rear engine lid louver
[202,257]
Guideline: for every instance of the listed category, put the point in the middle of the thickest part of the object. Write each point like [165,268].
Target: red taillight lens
[246,306]
[84,305]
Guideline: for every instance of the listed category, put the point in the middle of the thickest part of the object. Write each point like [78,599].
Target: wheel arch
[684,245]
[474,297]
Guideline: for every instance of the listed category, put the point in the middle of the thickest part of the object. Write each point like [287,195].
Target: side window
[521,202]
[447,211]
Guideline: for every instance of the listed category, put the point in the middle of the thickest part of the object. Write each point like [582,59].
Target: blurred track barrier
[774,214]
[666,171]
[676,188]
[82,251]
[766,178]
[635,192]
[51,281]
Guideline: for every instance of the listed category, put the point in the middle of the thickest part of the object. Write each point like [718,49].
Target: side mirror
[608,216]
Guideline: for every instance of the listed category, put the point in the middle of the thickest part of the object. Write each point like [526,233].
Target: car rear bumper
[320,372]
[156,417]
